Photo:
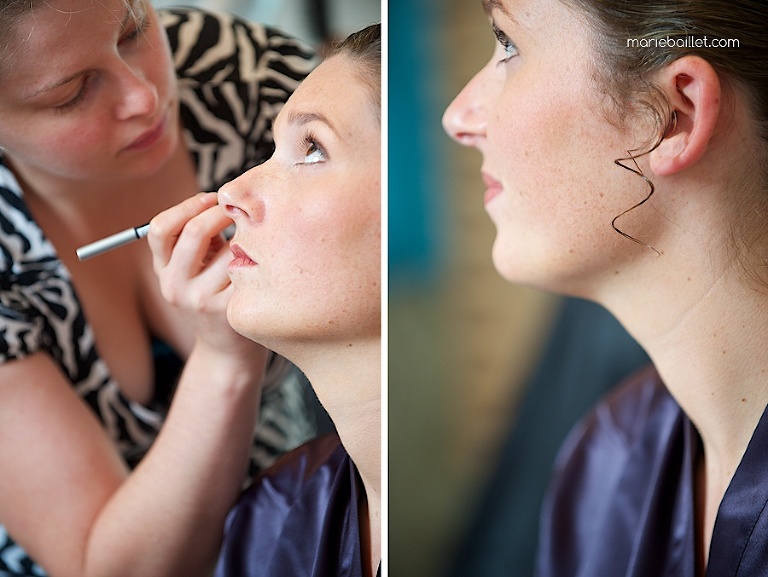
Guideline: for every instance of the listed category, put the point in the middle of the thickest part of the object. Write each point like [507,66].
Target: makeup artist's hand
[190,257]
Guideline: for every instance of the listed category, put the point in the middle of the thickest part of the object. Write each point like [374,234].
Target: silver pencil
[113,241]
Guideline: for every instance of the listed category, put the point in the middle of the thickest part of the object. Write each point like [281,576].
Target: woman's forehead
[334,93]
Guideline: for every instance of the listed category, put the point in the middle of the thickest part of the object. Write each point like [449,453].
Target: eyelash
[509,47]
[84,91]
[140,28]
[310,141]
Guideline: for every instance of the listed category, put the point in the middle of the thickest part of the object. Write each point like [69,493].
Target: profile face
[538,116]
[90,93]
[307,247]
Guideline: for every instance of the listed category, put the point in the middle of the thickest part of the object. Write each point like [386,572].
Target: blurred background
[462,341]
[485,378]
[314,21]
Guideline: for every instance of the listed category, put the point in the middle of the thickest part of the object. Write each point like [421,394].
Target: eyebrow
[490,5]
[302,118]
[57,84]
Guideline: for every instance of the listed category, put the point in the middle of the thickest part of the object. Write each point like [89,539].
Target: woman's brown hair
[636,39]
[364,48]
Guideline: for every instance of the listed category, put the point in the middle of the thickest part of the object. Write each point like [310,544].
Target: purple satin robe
[621,501]
[298,519]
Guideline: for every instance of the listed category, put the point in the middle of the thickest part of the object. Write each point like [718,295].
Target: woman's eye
[138,27]
[129,36]
[313,153]
[510,50]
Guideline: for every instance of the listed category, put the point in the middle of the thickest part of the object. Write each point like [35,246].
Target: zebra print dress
[234,77]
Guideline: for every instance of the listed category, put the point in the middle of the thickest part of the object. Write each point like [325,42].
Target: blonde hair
[11,12]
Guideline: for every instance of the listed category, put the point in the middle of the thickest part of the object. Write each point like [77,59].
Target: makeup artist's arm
[196,468]
[65,493]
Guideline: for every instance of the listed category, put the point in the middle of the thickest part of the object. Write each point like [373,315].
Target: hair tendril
[639,172]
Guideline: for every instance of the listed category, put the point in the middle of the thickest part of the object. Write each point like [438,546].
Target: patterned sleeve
[25,268]
[234,77]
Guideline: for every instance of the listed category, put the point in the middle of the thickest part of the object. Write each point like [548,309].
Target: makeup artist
[109,114]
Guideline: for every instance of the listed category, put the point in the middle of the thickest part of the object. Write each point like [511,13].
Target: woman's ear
[692,88]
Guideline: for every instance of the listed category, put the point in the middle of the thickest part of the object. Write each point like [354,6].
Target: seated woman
[631,170]
[306,283]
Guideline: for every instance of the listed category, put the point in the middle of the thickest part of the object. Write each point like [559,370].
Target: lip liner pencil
[113,241]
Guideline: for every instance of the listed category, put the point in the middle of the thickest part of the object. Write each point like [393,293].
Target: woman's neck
[347,381]
[705,329]
[707,340]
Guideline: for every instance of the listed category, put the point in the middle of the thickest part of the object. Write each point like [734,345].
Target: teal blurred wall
[416,143]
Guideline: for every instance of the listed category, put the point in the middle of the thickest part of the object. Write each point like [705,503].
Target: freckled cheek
[333,235]
[79,147]
[522,155]
[294,236]
[550,194]
[542,137]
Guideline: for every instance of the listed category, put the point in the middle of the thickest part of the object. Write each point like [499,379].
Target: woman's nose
[240,198]
[139,95]
[466,118]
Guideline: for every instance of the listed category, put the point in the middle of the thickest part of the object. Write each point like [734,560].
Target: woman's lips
[150,137]
[493,188]
[241,258]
